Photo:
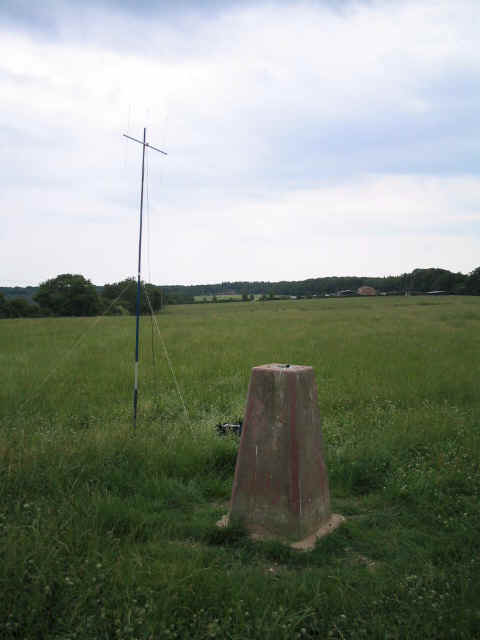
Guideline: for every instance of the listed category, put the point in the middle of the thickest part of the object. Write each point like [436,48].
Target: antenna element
[144,144]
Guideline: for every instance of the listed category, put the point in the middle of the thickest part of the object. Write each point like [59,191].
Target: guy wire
[147,208]
[169,362]
[75,345]
[149,267]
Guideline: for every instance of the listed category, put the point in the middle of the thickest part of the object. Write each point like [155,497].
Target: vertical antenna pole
[137,328]
[144,144]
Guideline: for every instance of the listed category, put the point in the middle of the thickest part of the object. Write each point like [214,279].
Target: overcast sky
[305,139]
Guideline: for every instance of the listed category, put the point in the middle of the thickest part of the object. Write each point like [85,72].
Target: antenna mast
[144,144]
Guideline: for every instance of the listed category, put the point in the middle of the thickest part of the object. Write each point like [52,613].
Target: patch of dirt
[360,559]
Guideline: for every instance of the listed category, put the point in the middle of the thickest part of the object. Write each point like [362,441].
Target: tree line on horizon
[419,280]
[74,295]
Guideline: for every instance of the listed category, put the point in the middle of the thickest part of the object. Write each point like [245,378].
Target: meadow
[110,533]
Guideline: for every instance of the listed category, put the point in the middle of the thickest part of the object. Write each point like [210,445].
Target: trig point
[281,485]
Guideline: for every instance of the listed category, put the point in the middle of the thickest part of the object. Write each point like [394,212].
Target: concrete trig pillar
[281,485]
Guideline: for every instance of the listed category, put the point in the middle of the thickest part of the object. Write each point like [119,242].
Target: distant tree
[472,285]
[244,297]
[68,295]
[20,307]
[155,296]
[126,292]
[4,307]
[115,309]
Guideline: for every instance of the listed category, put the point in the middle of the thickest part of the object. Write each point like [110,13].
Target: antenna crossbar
[150,146]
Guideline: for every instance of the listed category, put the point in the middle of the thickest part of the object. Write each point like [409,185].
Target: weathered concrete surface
[281,485]
[308,543]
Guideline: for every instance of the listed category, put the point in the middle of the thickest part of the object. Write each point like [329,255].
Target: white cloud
[277,121]
[371,226]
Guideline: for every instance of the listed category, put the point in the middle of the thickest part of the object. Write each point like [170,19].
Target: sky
[304,139]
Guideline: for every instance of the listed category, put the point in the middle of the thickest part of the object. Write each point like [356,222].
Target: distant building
[366,291]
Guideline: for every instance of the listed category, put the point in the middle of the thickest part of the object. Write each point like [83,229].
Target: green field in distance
[107,533]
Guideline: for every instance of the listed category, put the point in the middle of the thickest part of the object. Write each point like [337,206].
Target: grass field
[218,296]
[107,533]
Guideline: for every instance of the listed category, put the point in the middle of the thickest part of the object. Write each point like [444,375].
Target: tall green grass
[106,533]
